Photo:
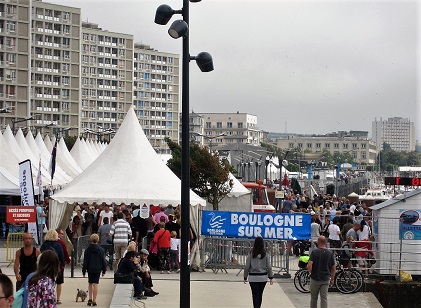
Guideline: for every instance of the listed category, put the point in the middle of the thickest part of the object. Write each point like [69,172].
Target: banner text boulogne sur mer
[250,225]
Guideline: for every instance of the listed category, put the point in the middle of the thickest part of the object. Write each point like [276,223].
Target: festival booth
[239,199]
[130,171]
[397,228]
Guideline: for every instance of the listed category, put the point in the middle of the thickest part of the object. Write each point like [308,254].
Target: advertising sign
[279,194]
[410,225]
[27,192]
[250,225]
[21,214]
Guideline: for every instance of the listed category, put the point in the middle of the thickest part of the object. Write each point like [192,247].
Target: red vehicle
[260,197]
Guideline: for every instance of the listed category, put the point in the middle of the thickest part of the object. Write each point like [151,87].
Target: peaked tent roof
[79,155]
[128,170]
[238,189]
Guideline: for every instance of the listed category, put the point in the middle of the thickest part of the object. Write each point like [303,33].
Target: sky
[310,67]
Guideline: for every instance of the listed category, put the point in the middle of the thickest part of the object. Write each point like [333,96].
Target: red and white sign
[144,211]
[21,214]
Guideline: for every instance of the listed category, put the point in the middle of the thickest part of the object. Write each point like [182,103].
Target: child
[175,245]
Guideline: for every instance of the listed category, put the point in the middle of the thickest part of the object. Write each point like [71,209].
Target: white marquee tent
[129,171]
[239,199]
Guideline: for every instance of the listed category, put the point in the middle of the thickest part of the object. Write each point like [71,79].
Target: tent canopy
[128,170]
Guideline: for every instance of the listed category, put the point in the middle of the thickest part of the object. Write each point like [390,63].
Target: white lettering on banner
[269,232]
[267,220]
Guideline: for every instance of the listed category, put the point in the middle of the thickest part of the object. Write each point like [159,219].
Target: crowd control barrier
[14,242]
[220,254]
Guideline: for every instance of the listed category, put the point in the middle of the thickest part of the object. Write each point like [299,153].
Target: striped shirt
[121,231]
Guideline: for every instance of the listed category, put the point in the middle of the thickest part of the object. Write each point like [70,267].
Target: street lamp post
[210,138]
[23,120]
[180,28]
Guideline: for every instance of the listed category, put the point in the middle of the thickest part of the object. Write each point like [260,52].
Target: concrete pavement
[208,290]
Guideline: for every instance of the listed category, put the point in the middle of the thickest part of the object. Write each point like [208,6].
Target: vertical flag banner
[27,192]
[39,182]
[53,160]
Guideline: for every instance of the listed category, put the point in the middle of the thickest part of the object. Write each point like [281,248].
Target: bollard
[72,265]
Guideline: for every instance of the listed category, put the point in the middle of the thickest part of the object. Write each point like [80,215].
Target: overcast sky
[300,66]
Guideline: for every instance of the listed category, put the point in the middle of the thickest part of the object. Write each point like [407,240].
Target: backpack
[344,258]
[21,296]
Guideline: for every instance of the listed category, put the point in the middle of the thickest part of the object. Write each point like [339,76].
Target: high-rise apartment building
[106,79]
[156,94]
[60,73]
[398,132]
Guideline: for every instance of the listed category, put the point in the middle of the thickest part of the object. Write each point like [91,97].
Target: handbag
[126,278]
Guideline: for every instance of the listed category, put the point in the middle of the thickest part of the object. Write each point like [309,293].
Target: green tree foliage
[70,141]
[390,159]
[209,176]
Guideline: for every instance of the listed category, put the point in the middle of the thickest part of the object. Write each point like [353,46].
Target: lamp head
[179,28]
[204,62]
[163,14]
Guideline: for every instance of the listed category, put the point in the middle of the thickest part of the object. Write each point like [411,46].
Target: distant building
[362,150]
[213,129]
[398,132]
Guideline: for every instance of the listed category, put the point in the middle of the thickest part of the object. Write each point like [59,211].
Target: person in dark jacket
[94,263]
[51,243]
[128,265]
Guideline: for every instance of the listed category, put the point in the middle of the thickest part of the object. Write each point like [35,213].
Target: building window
[363,155]
[309,145]
[363,145]
[345,145]
[291,145]
[336,145]
[354,145]
[229,124]
[218,124]
[327,145]
[300,145]
[318,145]
[240,124]
[208,125]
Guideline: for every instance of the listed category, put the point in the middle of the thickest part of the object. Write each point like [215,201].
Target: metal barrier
[14,242]
[82,243]
[220,254]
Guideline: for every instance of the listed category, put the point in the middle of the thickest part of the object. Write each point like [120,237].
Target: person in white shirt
[105,213]
[334,235]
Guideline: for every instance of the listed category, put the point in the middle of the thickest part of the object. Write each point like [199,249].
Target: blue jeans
[257,289]
[138,287]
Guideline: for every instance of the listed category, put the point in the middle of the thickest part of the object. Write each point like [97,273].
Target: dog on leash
[82,294]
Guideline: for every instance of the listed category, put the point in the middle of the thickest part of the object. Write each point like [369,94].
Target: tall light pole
[180,28]
[23,120]
[210,138]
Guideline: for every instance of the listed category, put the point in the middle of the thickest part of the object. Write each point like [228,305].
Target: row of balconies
[51,31]
[39,16]
[106,119]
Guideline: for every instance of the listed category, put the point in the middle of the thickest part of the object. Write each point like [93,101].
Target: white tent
[128,170]
[80,156]
[239,199]
[66,160]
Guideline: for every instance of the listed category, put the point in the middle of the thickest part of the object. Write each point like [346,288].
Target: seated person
[145,273]
[128,265]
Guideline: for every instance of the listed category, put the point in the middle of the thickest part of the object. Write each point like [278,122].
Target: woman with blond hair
[94,263]
[51,243]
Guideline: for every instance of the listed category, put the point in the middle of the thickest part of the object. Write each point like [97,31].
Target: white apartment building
[362,150]
[225,128]
[61,73]
[156,94]
[398,132]
[106,80]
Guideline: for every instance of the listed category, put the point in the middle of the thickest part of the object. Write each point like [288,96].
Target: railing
[220,254]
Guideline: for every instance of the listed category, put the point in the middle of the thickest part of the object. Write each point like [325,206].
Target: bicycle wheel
[305,281]
[360,277]
[300,280]
[346,281]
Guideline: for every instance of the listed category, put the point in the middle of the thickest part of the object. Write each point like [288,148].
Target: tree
[209,176]
[70,141]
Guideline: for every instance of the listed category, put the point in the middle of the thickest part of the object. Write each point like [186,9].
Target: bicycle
[348,280]
[302,280]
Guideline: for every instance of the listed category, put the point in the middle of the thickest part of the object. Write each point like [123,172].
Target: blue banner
[250,225]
